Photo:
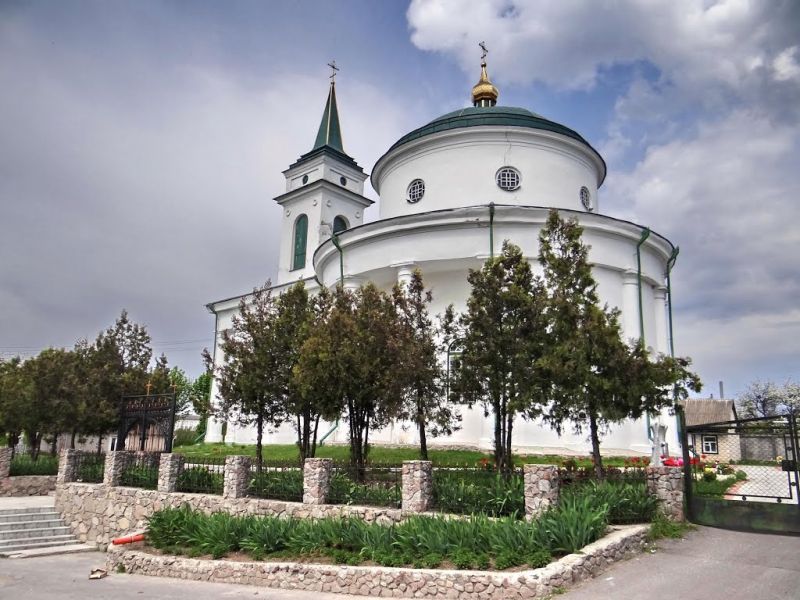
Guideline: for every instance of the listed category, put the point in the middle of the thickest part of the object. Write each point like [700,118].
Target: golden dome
[484,93]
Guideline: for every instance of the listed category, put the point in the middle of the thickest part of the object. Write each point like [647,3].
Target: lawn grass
[714,489]
[379,455]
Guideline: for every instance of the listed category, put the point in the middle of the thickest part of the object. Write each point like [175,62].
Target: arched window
[339,224]
[300,242]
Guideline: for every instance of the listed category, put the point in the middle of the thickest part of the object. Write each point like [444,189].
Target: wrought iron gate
[146,423]
[744,474]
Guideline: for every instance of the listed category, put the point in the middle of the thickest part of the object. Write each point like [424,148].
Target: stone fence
[22,485]
[98,512]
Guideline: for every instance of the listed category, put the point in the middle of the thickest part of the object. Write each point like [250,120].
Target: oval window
[586,198]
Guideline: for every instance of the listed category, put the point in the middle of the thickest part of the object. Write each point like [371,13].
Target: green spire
[329,133]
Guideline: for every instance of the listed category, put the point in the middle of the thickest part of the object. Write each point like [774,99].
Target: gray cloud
[128,179]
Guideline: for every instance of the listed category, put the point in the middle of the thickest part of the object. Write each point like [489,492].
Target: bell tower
[324,195]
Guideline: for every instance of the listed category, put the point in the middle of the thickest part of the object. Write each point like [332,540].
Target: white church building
[450,193]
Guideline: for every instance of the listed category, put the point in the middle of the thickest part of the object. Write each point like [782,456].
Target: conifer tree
[503,339]
[424,402]
[596,378]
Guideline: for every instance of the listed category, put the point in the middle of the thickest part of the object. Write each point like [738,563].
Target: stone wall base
[27,485]
[97,512]
[392,582]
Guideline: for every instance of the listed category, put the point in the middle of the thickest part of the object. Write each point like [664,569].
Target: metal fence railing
[202,476]
[277,480]
[141,471]
[372,485]
[89,467]
[471,489]
[44,464]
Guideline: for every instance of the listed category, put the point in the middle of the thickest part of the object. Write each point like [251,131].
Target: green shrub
[627,502]
[741,476]
[574,523]
[91,472]
[661,527]
[284,484]
[714,488]
[709,476]
[200,479]
[422,541]
[22,464]
[140,476]
[473,491]
[184,437]
[539,558]
[344,490]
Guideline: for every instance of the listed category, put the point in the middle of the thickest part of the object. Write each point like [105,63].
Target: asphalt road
[710,564]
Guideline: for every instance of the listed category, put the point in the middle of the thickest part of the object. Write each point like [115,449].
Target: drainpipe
[329,433]
[491,230]
[642,239]
[670,264]
[335,240]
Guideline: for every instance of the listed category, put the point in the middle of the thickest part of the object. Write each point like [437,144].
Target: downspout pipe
[642,239]
[491,230]
[670,264]
[335,240]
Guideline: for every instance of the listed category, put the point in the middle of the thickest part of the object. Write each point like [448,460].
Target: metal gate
[146,423]
[744,474]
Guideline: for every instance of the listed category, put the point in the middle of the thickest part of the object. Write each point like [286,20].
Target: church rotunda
[450,193]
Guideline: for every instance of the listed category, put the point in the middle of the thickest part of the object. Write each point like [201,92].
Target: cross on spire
[334,69]
[485,50]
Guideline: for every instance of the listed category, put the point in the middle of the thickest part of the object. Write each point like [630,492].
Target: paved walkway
[710,564]
[67,578]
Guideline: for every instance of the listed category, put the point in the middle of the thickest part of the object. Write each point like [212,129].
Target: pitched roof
[700,411]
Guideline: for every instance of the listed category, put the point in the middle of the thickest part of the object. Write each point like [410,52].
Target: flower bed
[419,541]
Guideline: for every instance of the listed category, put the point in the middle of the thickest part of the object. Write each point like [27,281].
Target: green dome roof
[476,116]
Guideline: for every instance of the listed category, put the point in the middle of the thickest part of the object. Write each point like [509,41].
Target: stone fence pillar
[67,466]
[170,468]
[116,462]
[666,484]
[5,462]
[237,476]
[417,486]
[541,488]
[316,480]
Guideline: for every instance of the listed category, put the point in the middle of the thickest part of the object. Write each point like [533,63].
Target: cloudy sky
[141,144]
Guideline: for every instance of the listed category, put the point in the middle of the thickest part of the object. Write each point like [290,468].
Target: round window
[507,179]
[415,191]
[586,198]
[343,180]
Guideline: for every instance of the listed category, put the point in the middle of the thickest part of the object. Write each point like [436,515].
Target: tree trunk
[53,444]
[72,437]
[509,461]
[423,442]
[314,439]
[99,444]
[259,437]
[498,437]
[596,458]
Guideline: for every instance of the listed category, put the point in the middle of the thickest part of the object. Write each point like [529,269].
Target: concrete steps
[35,531]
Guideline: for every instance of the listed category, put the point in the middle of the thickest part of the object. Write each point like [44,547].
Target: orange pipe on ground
[128,539]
